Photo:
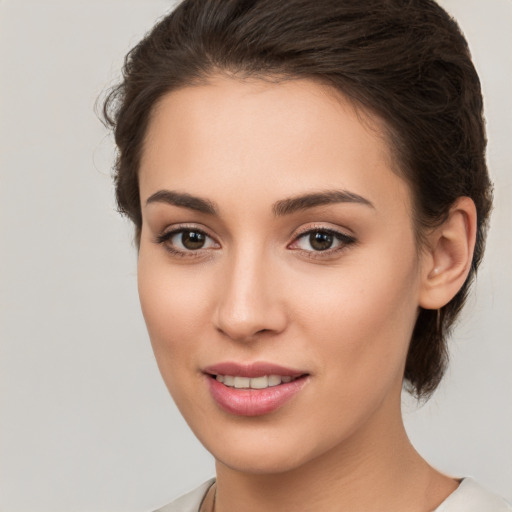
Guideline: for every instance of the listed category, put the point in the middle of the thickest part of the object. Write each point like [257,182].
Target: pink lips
[253,402]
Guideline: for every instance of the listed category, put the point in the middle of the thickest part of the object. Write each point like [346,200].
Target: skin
[258,291]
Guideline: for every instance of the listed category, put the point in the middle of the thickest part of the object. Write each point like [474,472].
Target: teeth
[242,382]
[266,381]
[229,381]
[259,382]
[274,380]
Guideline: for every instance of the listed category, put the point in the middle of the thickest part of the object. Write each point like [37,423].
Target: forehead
[280,139]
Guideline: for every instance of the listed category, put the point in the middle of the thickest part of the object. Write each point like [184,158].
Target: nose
[250,302]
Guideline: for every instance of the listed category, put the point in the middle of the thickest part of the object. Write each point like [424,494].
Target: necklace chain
[208,504]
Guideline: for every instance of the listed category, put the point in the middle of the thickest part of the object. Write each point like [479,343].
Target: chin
[260,462]
[262,447]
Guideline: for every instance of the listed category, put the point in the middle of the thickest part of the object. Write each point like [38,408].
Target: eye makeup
[186,241]
[314,242]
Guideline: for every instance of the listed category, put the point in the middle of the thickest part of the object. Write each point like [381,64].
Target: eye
[186,240]
[190,240]
[321,240]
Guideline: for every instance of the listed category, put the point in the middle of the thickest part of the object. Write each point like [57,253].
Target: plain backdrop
[85,422]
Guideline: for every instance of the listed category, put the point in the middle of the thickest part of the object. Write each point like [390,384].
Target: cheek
[361,319]
[173,303]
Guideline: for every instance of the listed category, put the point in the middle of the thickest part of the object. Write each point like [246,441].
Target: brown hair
[404,60]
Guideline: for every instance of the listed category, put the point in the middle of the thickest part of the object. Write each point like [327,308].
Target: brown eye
[193,240]
[321,240]
[186,241]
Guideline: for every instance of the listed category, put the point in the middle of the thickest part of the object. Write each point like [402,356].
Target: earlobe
[448,256]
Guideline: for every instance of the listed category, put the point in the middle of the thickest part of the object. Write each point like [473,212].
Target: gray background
[85,421]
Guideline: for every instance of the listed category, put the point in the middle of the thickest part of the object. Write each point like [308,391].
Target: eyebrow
[183,200]
[303,202]
[280,208]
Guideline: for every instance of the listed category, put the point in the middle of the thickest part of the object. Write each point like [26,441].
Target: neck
[376,469]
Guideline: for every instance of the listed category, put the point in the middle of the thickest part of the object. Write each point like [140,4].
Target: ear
[446,260]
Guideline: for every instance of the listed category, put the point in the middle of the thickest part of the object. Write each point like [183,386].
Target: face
[278,272]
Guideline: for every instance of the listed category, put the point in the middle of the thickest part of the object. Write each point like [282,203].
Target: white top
[470,496]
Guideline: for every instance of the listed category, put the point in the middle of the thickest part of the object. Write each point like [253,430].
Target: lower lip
[254,402]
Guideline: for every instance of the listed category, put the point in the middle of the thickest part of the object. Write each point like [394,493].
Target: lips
[253,389]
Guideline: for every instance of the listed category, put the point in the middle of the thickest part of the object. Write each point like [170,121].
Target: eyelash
[343,239]
[165,237]
[344,242]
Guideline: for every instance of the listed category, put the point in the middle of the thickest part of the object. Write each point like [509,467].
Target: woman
[310,195]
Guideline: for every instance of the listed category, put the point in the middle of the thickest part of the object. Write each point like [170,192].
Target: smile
[263,382]
[253,389]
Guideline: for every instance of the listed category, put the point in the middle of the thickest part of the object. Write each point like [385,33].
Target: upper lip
[251,370]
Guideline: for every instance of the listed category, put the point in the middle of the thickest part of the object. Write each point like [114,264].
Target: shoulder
[470,496]
[189,502]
